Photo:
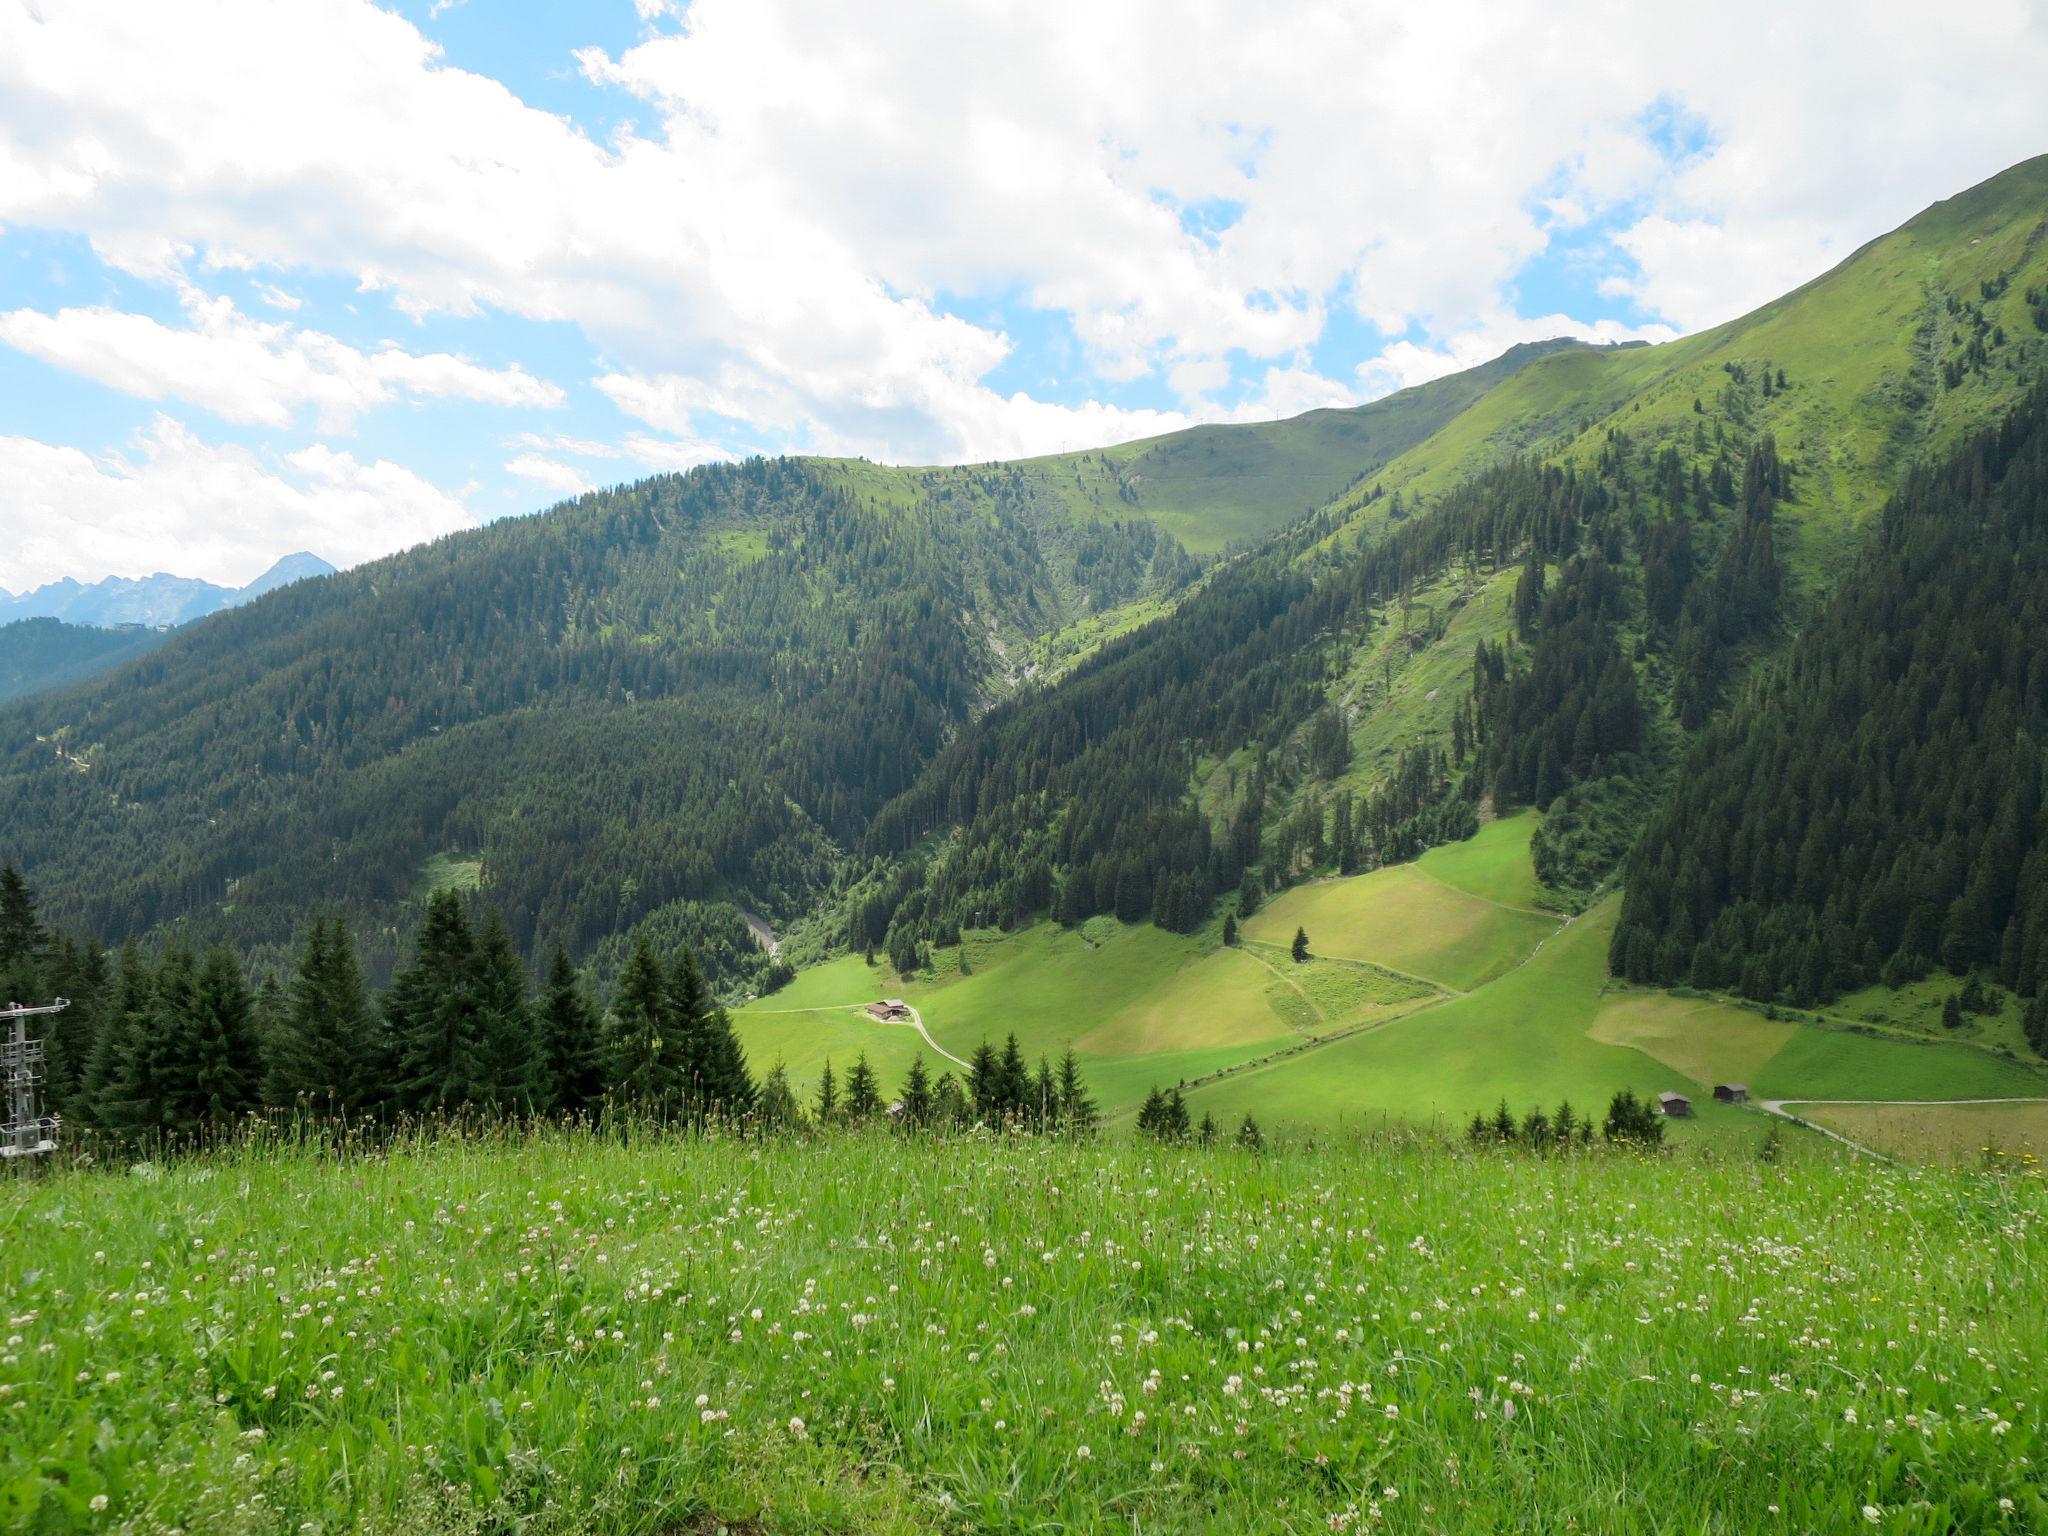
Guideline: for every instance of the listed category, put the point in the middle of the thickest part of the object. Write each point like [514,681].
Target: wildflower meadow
[567,1332]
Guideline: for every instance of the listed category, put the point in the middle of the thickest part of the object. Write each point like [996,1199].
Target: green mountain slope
[37,654]
[1031,733]
[1209,486]
[1917,339]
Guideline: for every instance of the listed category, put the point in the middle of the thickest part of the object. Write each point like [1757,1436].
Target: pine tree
[1205,1133]
[1503,1123]
[730,1084]
[863,1099]
[1152,1114]
[1229,930]
[828,1095]
[1077,1108]
[1248,892]
[77,972]
[1300,950]
[917,1094]
[570,1054]
[1045,1096]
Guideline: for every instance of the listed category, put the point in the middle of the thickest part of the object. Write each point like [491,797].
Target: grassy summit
[880,1334]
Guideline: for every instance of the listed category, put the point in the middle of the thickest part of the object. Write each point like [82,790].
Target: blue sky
[342,277]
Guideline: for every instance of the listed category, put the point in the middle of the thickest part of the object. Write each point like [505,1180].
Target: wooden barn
[890,1010]
[1676,1105]
[1731,1093]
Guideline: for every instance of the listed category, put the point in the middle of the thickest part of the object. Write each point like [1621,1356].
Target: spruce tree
[1300,950]
[776,1108]
[1015,1090]
[117,1040]
[645,1059]
[985,1084]
[149,1097]
[22,940]
[949,1101]
[1077,1108]
[1045,1096]
[917,1094]
[431,1015]
[332,1051]
[1249,1136]
[221,1067]
[1177,1123]
[1229,929]
[509,1065]
[571,1053]
[828,1095]
[1152,1114]
[863,1098]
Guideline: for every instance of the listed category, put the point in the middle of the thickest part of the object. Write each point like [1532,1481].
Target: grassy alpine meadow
[571,1333]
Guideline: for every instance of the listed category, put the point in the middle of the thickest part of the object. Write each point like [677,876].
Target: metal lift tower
[27,1132]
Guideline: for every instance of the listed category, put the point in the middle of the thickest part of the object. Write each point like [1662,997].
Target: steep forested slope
[1874,808]
[664,702]
[47,653]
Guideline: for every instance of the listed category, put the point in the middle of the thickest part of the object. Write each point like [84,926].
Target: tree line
[177,1047]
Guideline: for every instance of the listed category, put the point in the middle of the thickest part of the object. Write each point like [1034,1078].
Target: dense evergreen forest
[168,1051]
[1873,809]
[1075,799]
[684,693]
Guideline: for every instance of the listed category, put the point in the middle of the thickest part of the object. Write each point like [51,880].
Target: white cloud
[1407,363]
[120,514]
[549,474]
[828,204]
[251,371]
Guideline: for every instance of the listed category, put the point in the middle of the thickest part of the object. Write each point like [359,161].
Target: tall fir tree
[647,1067]
[572,1057]
[331,1053]
[431,1014]
[917,1094]
[1077,1108]
[506,1047]
[863,1097]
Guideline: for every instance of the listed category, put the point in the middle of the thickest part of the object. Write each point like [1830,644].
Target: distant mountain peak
[155,601]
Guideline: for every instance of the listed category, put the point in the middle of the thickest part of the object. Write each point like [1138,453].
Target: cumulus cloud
[224,510]
[811,234]
[1407,363]
[254,372]
[822,173]
[549,474]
